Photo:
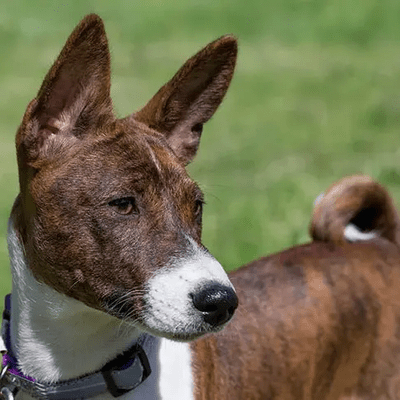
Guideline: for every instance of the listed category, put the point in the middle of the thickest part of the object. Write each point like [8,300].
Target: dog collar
[119,376]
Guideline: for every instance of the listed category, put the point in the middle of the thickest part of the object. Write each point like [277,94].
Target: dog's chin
[161,326]
[181,335]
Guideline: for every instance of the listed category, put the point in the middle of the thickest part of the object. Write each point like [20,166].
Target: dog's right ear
[74,96]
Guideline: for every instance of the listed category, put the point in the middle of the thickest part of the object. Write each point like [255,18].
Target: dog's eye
[124,206]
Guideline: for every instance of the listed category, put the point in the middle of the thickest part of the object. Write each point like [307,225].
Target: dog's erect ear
[190,98]
[75,94]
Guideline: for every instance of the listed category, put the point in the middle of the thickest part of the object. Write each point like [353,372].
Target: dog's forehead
[119,157]
[130,148]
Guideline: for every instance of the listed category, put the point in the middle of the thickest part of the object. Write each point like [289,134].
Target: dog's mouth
[192,323]
[207,310]
[181,335]
[122,305]
[190,297]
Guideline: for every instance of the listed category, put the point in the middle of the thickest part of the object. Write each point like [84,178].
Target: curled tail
[353,209]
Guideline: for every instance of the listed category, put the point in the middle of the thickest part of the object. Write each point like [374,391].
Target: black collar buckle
[118,372]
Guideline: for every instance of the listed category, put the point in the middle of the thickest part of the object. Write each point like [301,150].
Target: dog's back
[317,321]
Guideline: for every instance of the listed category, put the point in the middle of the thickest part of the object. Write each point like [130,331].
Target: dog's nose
[217,303]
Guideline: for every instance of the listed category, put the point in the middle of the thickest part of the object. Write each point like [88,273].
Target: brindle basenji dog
[110,281]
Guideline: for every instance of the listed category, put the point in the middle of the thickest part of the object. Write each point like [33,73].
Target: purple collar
[119,376]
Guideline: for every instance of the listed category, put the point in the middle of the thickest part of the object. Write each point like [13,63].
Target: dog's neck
[55,337]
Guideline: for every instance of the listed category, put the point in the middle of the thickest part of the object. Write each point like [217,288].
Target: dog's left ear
[181,107]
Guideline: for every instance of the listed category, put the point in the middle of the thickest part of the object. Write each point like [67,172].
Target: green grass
[316,96]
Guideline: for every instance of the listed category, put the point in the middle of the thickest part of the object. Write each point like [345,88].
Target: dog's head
[107,212]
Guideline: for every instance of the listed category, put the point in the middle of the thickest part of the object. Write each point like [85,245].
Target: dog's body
[105,251]
[317,321]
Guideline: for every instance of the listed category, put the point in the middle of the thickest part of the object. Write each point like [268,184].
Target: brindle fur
[75,157]
[319,321]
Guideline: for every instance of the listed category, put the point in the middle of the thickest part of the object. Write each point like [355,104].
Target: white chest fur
[171,376]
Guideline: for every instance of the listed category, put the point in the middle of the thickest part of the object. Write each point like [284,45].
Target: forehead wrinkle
[153,157]
[164,160]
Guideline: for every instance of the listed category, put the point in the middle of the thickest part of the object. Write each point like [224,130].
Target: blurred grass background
[316,96]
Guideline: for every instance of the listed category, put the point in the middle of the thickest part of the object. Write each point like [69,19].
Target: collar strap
[119,376]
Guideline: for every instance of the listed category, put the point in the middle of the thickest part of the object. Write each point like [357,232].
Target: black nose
[217,303]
